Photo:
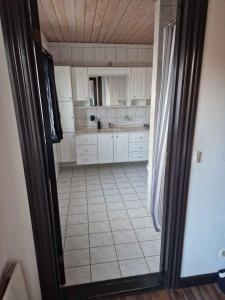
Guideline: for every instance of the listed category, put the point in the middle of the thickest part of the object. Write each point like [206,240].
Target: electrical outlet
[222,252]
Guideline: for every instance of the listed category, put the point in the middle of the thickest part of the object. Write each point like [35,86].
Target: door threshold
[113,287]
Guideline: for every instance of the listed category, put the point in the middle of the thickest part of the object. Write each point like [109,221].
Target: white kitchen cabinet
[80,84]
[148,83]
[105,148]
[66,115]
[67,148]
[121,147]
[63,83]
[138,83]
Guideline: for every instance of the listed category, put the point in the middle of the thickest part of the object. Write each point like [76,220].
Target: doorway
[34,77]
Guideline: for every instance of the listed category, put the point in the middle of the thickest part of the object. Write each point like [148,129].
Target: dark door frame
[21,31]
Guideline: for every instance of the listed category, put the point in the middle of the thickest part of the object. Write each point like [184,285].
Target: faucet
[110,125]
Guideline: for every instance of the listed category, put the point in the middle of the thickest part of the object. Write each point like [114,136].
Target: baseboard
[197,280]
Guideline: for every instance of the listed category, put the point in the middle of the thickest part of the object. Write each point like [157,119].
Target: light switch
[198,156]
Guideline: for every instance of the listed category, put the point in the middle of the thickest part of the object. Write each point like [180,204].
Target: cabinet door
[121,147]
[80,83]
[67,148]
[148,83]
[138,83]
[63,82]
[67,117]
[105,148]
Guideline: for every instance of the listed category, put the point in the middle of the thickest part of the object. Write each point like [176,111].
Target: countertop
[123,129]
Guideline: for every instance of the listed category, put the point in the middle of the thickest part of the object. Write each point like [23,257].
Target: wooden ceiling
[97,21]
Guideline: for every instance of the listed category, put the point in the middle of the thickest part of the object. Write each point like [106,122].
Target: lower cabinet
[120,147]
[105,148]
[108,148]
[67,148]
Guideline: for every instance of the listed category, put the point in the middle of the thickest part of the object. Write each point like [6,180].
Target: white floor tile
[115,206]
[78,275]
[153,263]
[77,242]
[101,239]
[117,214]
[124,236]
[147,234]
[103,254]
[78,195]
[137,212]
[99,227]
[79,229]
[151,248]
[133,204]
[95,200]
[133,267]
[120,224]
[142,222]
[97,208]
[105,271]
[113,198]
[111,192]
[127,190]
[76,258]
[128,251]
[78,202]
[98,216]
[130,197]
[76,210]
[77,219]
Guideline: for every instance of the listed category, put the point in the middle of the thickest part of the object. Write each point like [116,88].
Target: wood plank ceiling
[97,21]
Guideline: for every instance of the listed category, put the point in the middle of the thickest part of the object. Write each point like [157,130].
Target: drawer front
[87,159]
[138,137]
[86,139]
[85,149]
[138,147]
[138,156]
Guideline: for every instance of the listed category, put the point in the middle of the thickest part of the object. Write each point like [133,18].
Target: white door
[67,148]
[63,83]
[67,117]
[105,148]
[138,83]
[80,84]
[121,147]
[148,83]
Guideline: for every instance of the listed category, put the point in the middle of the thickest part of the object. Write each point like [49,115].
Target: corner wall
[16,236]
[205,219]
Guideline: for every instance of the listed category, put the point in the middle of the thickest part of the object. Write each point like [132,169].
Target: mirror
[108,90]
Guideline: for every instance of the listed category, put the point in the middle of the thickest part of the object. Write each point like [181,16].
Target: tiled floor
[107,232]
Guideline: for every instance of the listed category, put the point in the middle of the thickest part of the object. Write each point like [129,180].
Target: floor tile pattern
[106,230]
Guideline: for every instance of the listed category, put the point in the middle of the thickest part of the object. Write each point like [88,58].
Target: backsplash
[117,116]
[101,55]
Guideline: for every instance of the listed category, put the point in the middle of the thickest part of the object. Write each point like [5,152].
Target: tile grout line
[111,229]
[88,228]
[134,228]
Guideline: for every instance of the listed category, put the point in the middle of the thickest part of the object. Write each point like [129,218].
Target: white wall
[205,222]
[16,238]
[101,55]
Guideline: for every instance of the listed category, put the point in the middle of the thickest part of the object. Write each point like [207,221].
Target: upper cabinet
[138,83]
[148,83]
[80,84]
[63,83]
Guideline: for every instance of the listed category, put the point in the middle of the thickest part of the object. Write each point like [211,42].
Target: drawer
[83,149]
[87,159]
[138,156]
[86,139]
[138,147]
[137,137]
